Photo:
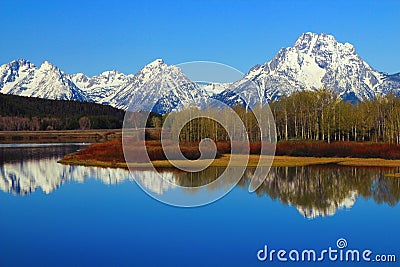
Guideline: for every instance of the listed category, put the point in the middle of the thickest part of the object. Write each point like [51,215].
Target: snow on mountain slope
[214,88]
[103,86]
[23,78]
[160,88]
[13,73]
[315,61]
[389,84]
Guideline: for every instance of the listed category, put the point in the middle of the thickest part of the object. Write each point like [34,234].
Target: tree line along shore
[18,113]
[308,124]
[312,116]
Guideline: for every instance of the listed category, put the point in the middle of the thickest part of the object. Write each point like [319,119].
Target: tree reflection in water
[322,190]
[313,190]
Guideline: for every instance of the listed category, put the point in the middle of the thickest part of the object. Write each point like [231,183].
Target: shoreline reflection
[315,191]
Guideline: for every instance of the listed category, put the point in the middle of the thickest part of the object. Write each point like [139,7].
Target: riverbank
[64,136]
[288,154]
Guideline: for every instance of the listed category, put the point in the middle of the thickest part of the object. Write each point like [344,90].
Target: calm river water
[57,215]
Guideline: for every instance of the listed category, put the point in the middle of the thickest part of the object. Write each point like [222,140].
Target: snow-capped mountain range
[315,61]
[158,87]
[21,77]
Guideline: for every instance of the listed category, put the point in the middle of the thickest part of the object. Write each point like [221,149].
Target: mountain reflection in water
[314,190]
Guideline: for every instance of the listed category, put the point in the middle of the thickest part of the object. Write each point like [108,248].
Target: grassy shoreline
[111,154]
[63,136]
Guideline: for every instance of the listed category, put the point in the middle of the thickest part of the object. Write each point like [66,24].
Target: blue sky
[94,36]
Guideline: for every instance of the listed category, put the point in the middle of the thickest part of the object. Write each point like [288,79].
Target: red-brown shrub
[112,151]
[339,149]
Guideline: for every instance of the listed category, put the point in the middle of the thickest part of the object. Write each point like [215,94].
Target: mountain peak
[22,62]
[321,35]
[307,40]
[153,67]
[46,65]
[157,62]
[315,61]
[310,42]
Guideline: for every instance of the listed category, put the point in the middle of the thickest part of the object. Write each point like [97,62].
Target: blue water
[98,221]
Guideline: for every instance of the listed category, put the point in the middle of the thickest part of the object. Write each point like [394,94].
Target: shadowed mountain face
[314,61]
[313,191]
